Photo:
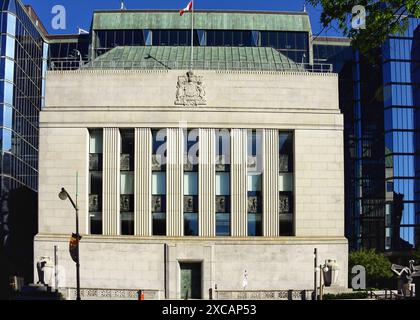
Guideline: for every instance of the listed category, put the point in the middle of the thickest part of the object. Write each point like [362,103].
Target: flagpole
[192,34]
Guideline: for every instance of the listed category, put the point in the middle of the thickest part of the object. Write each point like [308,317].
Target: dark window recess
[286,228]
[96,223]
[127,223]
[95,182]
[159,224]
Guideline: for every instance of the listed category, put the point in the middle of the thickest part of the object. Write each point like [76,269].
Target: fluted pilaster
[239,182]
[174,182]
[142,185]
[111,181]
[206,180]
[270,183]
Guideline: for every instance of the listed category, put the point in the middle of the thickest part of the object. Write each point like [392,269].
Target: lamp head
[63,194]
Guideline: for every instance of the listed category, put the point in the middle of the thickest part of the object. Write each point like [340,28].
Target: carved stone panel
[285,203]
[95,161]
[284,163]
[222,204]
[190,204]
[254,204]
[94,205]
[222,163]
[252,163]
[126,203]
[125,162]
[158,204]
[190,90]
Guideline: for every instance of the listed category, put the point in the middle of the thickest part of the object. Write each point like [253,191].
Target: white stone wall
[63,153]
[302,102]
[138,263]
[319,183]
[224,89]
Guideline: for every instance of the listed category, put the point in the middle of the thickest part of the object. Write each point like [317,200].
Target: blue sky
[79,12]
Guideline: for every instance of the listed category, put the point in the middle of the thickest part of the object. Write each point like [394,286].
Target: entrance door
[190,280]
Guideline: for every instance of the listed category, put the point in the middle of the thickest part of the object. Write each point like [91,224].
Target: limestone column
[206,183]
[175,183]
[239,221]
[270,183]
[111,181]
[142,182]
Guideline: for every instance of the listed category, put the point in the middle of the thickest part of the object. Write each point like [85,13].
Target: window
[254,184]
[191,183]
[95,180]
[286,178]
[158,183]
[127,182]
[223,183]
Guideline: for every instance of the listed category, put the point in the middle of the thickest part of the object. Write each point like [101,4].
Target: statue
[406,275]
[40,268]
[44,269]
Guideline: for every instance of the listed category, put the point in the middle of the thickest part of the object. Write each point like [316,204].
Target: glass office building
[378,100]
[399,137]
[23,62]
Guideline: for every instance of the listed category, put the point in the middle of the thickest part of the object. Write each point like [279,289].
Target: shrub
[378,267]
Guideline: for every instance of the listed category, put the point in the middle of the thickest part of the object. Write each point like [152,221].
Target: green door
[190,280]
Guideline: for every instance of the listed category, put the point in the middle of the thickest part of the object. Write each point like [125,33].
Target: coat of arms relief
[190,90]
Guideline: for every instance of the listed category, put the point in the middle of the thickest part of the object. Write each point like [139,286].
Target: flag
[187,8]
[73,245]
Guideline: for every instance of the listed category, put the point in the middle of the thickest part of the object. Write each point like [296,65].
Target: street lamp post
[63,195]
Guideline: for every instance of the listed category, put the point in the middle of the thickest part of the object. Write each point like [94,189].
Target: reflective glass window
[159,223]
[254,224]
[158,183]
[191,183]
[222,183]
[190,224]
[223,224]
[11,24]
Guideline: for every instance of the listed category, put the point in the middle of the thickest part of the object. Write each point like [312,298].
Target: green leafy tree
[382,18]
[378,267]
[416,256]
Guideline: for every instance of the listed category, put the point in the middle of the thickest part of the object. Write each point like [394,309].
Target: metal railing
[154,64]
[386,294]
[262,294]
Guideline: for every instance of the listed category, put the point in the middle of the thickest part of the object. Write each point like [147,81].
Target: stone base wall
[152,264]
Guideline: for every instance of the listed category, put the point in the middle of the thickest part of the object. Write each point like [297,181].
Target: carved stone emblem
[190,90]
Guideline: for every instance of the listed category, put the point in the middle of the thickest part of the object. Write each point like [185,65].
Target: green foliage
[378,267]
[351,295]
[382,18]
[416,256]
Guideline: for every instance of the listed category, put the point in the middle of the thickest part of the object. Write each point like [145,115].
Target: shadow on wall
[19,212]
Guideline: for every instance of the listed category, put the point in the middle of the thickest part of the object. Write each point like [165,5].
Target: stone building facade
[270,232]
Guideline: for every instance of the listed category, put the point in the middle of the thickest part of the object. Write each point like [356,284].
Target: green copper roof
[213,58]
[276,21]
